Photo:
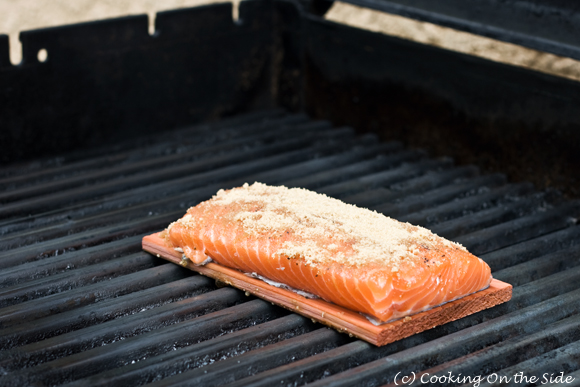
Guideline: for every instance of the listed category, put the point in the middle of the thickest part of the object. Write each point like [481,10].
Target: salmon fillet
[347,255]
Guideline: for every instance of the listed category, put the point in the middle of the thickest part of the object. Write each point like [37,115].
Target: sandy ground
[18,15]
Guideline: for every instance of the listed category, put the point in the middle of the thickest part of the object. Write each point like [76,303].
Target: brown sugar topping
[323,229]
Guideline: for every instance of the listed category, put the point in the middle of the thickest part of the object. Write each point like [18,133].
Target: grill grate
[80,304]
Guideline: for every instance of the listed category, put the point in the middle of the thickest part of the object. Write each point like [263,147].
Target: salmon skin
[347,255]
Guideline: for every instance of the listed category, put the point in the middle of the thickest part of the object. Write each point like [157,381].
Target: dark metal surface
[107,81]
[110,80]
[552,26]
[502,118]
[80,304]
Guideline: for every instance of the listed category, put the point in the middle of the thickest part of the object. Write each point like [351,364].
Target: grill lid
[81,304]
[551,26]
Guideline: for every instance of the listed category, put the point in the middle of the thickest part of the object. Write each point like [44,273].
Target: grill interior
[81,304]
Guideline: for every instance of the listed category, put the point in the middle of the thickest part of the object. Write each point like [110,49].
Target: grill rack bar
[155,191]
[123,198]
[108,310]
[110,332]
[172,201]
[372,173]
[456,344]
[195,355]
[519,348]
[59,198]
[92,293]
[183,156]
[158,141]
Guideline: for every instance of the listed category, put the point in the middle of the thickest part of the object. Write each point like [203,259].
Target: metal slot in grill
[80,304]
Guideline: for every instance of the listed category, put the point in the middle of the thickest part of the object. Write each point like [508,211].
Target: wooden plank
[335,316]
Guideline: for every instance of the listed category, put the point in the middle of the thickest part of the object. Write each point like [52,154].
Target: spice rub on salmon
[351,256]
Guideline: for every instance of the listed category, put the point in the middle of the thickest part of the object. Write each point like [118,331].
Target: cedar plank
[335,316]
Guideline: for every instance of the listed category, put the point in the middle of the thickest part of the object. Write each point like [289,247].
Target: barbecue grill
[118,132]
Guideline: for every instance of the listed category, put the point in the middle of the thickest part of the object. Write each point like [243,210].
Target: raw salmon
[344,254]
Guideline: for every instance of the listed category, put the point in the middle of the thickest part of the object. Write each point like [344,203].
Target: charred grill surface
[81,304]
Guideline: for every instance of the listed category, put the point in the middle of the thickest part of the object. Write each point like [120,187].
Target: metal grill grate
[81,304]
